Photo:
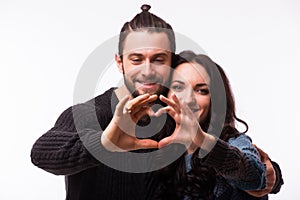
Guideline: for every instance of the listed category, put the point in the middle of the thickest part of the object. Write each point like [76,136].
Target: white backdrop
[43,45]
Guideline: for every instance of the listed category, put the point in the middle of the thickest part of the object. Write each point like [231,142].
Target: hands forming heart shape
[120,133]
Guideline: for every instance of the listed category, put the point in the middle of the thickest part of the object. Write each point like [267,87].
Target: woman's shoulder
[241,139]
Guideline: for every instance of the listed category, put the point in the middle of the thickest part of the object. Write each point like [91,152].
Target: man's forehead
[146,42]
[147,51]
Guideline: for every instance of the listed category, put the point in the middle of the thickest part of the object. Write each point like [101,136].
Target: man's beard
[163,90]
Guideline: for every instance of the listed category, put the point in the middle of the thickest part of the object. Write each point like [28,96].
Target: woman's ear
[119,63]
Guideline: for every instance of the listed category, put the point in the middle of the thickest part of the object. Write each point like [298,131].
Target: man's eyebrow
[135,54]
[155,55]
[160,54]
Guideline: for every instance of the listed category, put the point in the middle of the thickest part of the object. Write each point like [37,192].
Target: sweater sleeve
[62,150]
[279,180]
[238,162]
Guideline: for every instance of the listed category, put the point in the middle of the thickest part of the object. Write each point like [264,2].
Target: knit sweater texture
[63,151]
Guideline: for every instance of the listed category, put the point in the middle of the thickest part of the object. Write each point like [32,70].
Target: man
[144,57]
[87,133]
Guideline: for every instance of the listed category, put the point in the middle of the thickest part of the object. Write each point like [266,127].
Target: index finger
[175,103]
[141,100]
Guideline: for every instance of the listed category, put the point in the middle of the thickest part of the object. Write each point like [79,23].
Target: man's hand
[270,176]
[120,133]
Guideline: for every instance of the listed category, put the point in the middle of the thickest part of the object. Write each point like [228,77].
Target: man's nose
[147,69]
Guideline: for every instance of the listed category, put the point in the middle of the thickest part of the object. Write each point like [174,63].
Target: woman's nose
[189,97]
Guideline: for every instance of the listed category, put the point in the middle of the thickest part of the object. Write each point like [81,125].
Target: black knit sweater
[61,152]
[70,148]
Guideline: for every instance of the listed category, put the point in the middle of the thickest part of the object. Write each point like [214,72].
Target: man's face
[146,62]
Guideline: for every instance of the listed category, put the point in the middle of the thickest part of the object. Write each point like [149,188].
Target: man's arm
[70,146]
[274,179]
[238,162]
[279,180]
[60,150]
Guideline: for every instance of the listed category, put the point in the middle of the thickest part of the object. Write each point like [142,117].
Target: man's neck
[121,92]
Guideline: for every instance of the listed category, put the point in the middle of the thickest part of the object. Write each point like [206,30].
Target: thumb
[164,142]
[145,144]
[121,104]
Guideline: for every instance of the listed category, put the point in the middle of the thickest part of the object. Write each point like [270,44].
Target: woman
[202,107]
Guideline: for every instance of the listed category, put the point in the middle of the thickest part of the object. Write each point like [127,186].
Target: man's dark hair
[146,21]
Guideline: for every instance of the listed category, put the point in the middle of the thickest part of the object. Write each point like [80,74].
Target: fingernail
[128,110]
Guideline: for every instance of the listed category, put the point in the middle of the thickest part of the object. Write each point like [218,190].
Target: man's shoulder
[105,96]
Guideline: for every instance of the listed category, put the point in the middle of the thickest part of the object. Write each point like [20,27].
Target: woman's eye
[203,91]
[177,88]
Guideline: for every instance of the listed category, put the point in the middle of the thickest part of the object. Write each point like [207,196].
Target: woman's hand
[120,133]
[187,130]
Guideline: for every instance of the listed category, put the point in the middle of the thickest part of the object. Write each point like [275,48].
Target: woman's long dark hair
[200,181]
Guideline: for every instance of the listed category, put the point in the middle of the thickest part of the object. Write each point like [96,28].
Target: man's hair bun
[145,7]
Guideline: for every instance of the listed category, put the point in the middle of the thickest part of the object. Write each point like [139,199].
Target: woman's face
[190,83]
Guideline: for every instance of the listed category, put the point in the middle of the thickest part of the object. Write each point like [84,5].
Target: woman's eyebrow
[178,81]
[201,84]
